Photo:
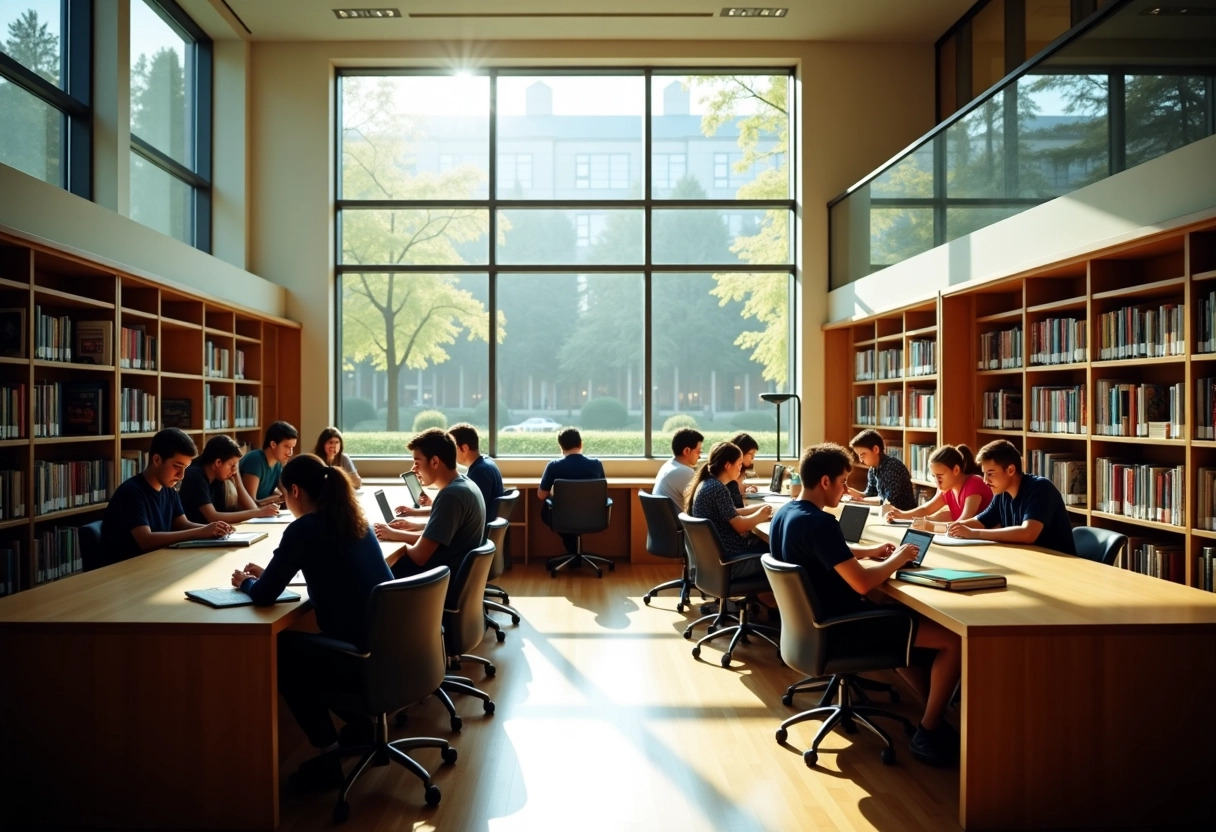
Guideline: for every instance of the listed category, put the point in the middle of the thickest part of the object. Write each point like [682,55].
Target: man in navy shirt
[482,471]
[145,512]
[1025,509]
[572,466]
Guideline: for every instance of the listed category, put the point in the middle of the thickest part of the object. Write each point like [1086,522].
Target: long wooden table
[1086,690]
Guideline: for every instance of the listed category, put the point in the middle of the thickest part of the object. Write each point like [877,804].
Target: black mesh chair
[91,556]
[665,539]
[496,533]
[464,626]
[713,577]
[840,647]
[403,664]
[1102,545]
[502,561]
[579,507]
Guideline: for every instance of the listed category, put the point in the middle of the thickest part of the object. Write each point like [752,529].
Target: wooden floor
[605,721]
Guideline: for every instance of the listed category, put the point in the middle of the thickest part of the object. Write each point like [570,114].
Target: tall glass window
[600,274]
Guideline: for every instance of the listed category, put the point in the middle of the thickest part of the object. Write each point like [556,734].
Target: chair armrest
[743,559]
[339,646]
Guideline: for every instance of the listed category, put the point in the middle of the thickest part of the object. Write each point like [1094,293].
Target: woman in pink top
[961,492]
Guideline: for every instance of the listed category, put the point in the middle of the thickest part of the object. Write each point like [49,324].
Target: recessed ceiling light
[364,14]
[752,11]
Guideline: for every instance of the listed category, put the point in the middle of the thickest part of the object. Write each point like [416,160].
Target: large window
[45,61]
[170,122]
[610,250]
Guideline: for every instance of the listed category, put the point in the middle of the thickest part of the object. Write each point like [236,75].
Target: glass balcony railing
[1135,81]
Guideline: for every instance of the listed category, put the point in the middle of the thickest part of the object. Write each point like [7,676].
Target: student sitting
[572,466]
[675,475]
[748,446]
[804,534]
[457,520]
[333,453]
[203,490]
[888,479]
[260,469]
[961,492]
[707,497]
[1026,508]
[482,471]
[145,512]
[329,542]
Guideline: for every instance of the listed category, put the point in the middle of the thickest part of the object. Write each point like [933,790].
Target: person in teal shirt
[260,470]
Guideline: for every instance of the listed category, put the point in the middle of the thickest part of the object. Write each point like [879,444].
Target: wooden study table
[1086,690]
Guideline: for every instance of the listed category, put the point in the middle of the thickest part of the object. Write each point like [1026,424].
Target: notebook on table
[281,517]
[230,542]
[229,596]
[415,487]
[385,508]
[953,580]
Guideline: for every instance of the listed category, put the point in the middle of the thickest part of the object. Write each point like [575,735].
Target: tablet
[921,540]
[774,484]
[385,509]
[415,487]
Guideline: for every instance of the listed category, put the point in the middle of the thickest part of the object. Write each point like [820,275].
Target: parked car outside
[536,424]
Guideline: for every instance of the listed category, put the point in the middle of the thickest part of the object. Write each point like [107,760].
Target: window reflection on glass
[160,201]
[1164,112]
[1063,121]
[31,34]
[160,103]
[32,135]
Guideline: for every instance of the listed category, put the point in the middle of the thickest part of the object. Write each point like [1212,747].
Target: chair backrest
[91,556]
[663,535]
[506,503]
[580,506]
[496,533]
[1102,545]
[801,637]
[705,555]
[407,659]
[464,618]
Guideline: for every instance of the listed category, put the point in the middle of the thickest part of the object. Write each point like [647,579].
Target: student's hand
[894,515]
[406,511]
[962,530]
[268,511]
[254,570]
[383,532]
[217,529]
[766,511]
[424,499]
[239,577]
[906,553]
[398,524]
[882,551]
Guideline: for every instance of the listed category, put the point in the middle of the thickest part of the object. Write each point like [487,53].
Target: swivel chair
[91,555]
[496,533]
[839,647]
[579,507]
[665,538]
[1102,545]
[713,577]
[464,626]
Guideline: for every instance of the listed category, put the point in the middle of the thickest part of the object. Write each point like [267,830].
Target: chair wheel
[782,735]
[887,755]
[810,757]
[787,700]
[515,620]
[501,636]
[696,652]
[491,670]
[341,812]
[688,633]
[893,696]
[449,755]
[433,796]
[457,724]
[726,659]
[488,707]
[599,573]
[679,607]
[646,600]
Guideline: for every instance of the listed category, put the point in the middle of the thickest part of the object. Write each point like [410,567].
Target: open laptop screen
[853,517]
[774,485]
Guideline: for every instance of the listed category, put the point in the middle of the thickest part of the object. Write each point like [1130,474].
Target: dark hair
[435,443]
[218,449]
[955,456]
[868,438]
[329,433]
[685,438]
[569,439]
[744,442]
[720,455]
[465,434]
[170,442]
[1002,452]
[278,432]
[330,491]
[824,460]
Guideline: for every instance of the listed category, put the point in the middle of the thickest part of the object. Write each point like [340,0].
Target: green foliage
[753,420]
[481,415]
[679,420]
[356,410]
[604,413]
[540,445]
[430,419]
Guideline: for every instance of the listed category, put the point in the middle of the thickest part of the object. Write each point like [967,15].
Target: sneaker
[938,747]
[321,773]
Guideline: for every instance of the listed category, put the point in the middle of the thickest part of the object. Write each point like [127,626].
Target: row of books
[1205,569]
[131,463]
[1205,408]
[1159,559]
[878,364]
[1001,349]
[137,412]
[69,408]
[1144,491]
[1205,322]
[222,411]
[137,349]
[922,357]
[885,409]
[1124,408]
[922,407]
[1066,471]
[1002,409]
[52,336]
[1058,341]
[1205,507]
[1142,332]
[12,411]
[918,460]
[10,557]
[1058,409]
[63,485]
[12,494]
[57,553]
[216,363]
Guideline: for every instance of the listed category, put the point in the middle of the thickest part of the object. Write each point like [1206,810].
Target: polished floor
[605,721]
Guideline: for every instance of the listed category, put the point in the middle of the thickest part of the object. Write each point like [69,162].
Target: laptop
[231,541]
[921,540]
[853,518]
[774,485]
[226,596]
[415,487]
[385,508]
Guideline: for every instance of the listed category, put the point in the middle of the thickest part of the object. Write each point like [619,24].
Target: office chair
[579,507]
[496,533]
[1102,545]
[506,507]
[403,663]
[665,538]
[464,626]
[839,647]
[91,556]
[712,576]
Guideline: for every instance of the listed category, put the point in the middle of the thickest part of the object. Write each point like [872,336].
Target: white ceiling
[884,21]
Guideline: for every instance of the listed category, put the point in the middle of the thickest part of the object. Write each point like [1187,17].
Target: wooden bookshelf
[1058,337]
[165,343]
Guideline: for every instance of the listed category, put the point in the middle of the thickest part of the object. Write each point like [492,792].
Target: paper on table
[947,540]
[281,517]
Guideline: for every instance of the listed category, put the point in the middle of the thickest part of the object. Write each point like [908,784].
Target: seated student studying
[332,451]
[572,465]
[961,491]
[203,489]
[748,446]
[888,478]
[330,542]
[456,523]
[1025,509]
[481,470]
[708,497]
[145,512]
[803,533]
[260,469]
[675,475]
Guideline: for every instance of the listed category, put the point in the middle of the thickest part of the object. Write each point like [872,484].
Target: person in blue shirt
[331,543]
[260,469]
[482,470]
[572,466]
[1025,509]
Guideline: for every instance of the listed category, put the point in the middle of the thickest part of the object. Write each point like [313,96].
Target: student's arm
[971,507]
[348,465]
[408,524]
[384,532]
[927,510]
[244,497]
[748,511]
[409,511]
[183,529]
[863,578]
[211,515]
[744,524]
[878,551]
[420,551]
[251,481]
[1026,532]
[272,499]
